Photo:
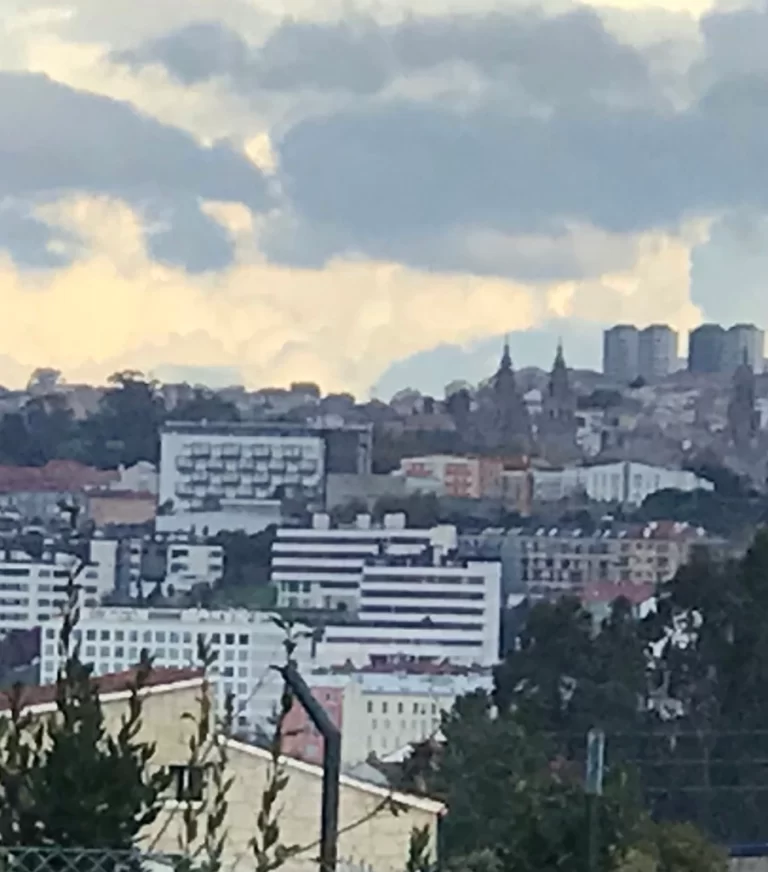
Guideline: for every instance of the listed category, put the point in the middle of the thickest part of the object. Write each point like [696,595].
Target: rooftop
[116,682]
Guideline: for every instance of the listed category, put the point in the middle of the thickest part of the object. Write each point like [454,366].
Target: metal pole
[593,833]
[593,788]
[329,813]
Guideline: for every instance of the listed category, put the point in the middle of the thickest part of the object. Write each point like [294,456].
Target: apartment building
[207,466]
[380,712]
[454,476]
[33,588]
[322,566]
[177,562]
[247,646]
[621,353]
[656,352]
[623,482]
[549,563]
[744,343]
[706,349]
[422,608]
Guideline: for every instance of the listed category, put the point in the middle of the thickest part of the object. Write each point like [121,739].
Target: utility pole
[593,788]
[329,813]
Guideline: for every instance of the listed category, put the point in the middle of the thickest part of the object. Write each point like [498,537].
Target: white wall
[248,645]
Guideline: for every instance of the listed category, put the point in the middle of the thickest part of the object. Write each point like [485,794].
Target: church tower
[507,422]
[556,432]
[559,403]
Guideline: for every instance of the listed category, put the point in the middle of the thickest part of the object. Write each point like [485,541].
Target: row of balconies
[233,451]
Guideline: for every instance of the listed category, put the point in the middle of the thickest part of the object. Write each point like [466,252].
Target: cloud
[561,58]
[57,140]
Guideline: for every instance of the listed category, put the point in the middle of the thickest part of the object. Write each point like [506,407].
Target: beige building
[371,833]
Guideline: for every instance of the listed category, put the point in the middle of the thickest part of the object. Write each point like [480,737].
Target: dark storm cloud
[30,242]
[389,173]
[557,58]
[183,235]
[57,140]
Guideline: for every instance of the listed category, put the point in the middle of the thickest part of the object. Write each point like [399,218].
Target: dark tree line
[124,430]
[681,693]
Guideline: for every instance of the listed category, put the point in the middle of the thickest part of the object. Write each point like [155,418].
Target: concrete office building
[621,352]
[706,349]
[744,343]
[657,352]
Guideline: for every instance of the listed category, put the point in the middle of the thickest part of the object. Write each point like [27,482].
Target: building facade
[744,344]
[620,353]
[623,482]
[34,589]
[657,352]
[379,712]
[421,609]
[706,349]
[321,567]
[247,645]
[208,466]
[550,563]
[454,476]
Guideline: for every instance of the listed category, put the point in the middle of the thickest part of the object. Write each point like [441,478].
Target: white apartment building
[34,590]
[656,352]
[322,566]
[182,560]
[422,608]
[380,713]
[622,482]
[206,466]
[247,644]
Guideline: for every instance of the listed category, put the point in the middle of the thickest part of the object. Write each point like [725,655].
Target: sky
[371,194]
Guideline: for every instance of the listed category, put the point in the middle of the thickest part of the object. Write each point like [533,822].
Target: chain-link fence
[29,859]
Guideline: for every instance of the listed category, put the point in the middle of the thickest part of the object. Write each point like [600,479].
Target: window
[119,651]
[188,655]
[133,636]
[187,638]
[173,653]
[104,652]
[119,635]
[229,639]
[242,655]
[242,672]
[415,708]
[243,638]
[90,651]
[187,784]
[369,707]
[242,689]
[383,708]
[215,639]
[147,636]
[90,635]
[104,635]
[173,638]
[160,636]
[399,708]
[160,653]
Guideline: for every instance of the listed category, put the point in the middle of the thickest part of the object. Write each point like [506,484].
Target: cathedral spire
[506,357]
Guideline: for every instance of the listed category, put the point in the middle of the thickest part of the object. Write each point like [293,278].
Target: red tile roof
[114,682]
[606,592]
[56,475]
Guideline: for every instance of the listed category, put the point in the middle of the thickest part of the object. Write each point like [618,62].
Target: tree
[126,429]
[65,782]
[206,405]
[564,677]
[512,800]
[421,510]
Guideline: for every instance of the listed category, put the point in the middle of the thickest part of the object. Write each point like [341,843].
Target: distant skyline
[345,192]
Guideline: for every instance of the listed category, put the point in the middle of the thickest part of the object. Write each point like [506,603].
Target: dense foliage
[124,429]
[681,696]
